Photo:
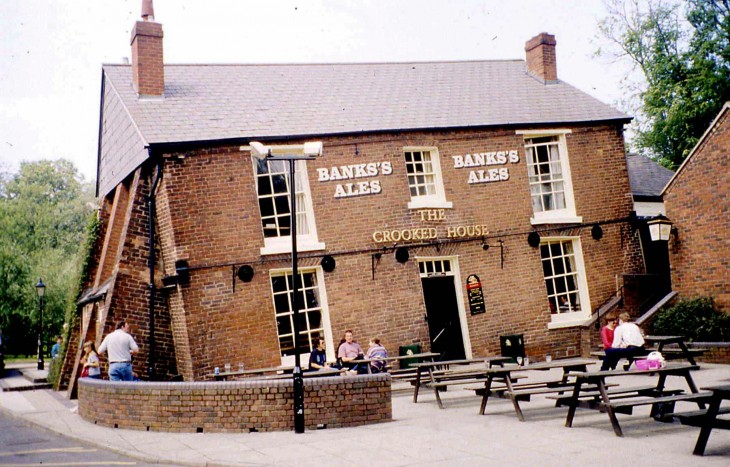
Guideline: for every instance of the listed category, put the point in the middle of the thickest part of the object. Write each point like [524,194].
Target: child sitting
[375,351]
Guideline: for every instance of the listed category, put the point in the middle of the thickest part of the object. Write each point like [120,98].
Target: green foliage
[696,320]
[684,56]
[43,215]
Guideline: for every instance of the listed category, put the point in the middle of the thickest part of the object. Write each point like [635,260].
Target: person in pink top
[349,351]
[607,330]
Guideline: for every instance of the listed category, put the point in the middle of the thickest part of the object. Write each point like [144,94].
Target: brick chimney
[540,56]
[148,71]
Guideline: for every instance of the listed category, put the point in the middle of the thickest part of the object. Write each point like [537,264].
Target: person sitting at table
[318,357]
[376,351]
[627,343]
[350,351]
[607,330]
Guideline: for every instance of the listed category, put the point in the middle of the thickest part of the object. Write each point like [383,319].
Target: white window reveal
[548,171]
[313,319]
[424,178]
[273,190]
[565,283]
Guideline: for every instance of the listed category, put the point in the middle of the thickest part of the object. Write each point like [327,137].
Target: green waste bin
[512,346]
[408,350]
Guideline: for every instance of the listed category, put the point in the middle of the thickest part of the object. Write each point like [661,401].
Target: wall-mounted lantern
[660,228]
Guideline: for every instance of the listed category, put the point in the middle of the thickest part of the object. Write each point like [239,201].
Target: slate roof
[646,178]
[214,102]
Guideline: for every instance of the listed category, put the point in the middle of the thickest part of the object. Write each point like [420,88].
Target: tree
[684,58]
[44,210]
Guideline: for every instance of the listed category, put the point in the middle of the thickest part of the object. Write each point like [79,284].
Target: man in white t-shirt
[120,347]
[627,343]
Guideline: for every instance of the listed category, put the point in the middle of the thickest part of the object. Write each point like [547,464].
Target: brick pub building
[413,224]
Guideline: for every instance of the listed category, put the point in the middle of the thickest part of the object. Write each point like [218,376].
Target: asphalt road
[23,444]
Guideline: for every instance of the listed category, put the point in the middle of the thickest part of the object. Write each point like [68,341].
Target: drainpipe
[151,219]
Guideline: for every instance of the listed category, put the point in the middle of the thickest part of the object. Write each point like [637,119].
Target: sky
[51,51]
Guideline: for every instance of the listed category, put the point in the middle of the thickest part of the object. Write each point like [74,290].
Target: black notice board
[475,294]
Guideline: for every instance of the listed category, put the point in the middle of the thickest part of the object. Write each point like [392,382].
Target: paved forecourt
[420,434]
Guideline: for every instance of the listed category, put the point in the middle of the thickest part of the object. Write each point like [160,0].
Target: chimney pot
[540,57]
[148,11]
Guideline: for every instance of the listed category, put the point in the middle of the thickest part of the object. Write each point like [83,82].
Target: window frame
[568,214]
[283,244]
[289,360]
[575,318]
[438,199]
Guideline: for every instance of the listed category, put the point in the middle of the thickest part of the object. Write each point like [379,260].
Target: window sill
[577,321]
[281,249]
[429,204]
[556,220]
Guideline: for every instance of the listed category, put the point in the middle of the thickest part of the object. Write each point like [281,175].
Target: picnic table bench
[506,376]
[669,353]
[623,400]
[401,373]
[707,419]
[441,375]
[672,354]
[223,376]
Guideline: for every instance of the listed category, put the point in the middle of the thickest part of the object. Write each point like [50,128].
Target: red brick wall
[697,202]
[208,215]
[715,352]
[237,406]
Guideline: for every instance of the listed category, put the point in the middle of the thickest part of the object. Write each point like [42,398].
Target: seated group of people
[621,339]
[348,353]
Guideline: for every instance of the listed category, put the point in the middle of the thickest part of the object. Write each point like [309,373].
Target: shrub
[695,319]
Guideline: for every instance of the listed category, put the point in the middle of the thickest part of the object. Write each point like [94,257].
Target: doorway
[442,309]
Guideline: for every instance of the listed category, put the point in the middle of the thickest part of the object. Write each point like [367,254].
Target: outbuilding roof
[646,178]
[214,102]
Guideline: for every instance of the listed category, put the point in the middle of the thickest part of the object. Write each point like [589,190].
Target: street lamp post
[292,153]
[40,289]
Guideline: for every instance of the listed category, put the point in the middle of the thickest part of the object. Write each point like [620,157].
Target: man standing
[120,346]
[627,343]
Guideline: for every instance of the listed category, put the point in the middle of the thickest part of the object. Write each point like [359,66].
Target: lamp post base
[298,400]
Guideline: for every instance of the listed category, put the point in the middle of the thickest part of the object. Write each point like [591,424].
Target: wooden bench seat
[693,397]
[695,417]
[667,353]
[675,354]
[610,392]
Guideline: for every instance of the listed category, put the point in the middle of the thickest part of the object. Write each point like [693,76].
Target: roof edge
[700,142]
[162,145]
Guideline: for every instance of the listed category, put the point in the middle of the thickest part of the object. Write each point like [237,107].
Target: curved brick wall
[236,406]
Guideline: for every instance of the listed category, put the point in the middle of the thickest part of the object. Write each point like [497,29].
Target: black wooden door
[442,313]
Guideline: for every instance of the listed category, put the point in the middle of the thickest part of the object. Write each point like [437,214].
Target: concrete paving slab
[421,434]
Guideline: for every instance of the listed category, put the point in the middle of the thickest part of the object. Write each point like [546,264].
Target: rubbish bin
[512,346]
[408,350]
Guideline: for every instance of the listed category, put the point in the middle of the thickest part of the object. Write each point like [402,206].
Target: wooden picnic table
[320,373]
[624,399]
[419,356]
[223,376]
[440,374]
[523,391]
[662,341]
[709,420]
